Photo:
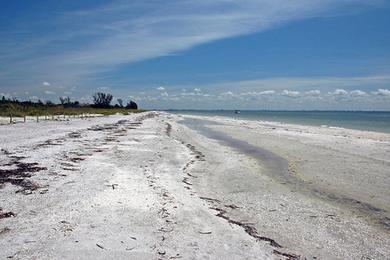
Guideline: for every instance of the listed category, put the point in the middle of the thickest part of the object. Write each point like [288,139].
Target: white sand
[149,187]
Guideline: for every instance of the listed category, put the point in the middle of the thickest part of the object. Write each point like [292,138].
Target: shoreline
[280,170]
[334,139]
[279,122]
[147,186]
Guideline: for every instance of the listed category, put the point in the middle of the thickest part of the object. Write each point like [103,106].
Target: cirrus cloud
[89,42]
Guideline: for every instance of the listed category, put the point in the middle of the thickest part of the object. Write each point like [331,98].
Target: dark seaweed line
[18,175]
[249,229]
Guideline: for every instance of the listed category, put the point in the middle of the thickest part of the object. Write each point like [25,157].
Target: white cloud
[121,32]
[46,84]
[338,92]
[271,93]
[49,92]
[228,93]
[86,99]
[257,94]
[314,92]
[151,98]
[357,93]
[267,92]
[290,93]
[160,88]
[174,98]
[6,95]
[197,90]
[188,94]
[164,94]
[382,92]
[300,84]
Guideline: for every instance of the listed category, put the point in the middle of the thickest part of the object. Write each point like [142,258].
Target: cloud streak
[100,39]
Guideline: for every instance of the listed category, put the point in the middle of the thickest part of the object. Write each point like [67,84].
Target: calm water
[372,121]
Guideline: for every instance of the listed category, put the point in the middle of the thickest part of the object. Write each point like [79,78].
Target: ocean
[368,121]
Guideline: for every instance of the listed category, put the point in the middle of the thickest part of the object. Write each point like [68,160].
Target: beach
[157,185]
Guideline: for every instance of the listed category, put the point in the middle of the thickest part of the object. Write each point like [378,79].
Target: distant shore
[160,185]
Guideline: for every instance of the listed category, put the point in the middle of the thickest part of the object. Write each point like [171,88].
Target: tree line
[100,100]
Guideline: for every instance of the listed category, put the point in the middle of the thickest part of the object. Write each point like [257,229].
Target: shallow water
[274,164]
[368,121]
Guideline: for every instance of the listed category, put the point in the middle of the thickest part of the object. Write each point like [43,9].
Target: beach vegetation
[16,108]
[132,105]
[102,100]
[120,102]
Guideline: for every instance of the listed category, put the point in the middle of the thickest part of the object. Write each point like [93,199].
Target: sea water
[360,120]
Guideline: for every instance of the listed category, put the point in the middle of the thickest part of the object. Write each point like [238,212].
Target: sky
[200,54]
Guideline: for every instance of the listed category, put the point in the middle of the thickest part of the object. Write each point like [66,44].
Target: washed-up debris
[168,130]
[18,173]
[287,255]
[6,214]
[51,142]
[4,230]
[251,230]
[185,180]
[232,206]
[76,159]
[74,135]
[176,256]
[210,199]
[192,176]
[161,252]
[101,247]
[162,229]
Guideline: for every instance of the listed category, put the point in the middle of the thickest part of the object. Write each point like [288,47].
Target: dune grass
[16,110]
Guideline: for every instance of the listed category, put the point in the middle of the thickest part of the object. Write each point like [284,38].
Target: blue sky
[242,54]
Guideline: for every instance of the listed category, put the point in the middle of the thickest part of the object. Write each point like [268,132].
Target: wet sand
[283,170]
